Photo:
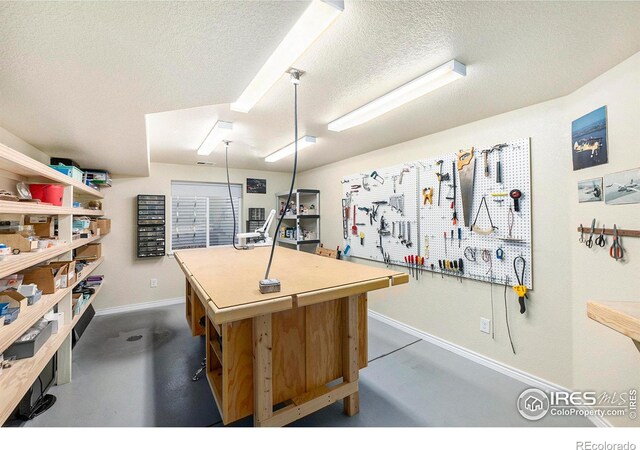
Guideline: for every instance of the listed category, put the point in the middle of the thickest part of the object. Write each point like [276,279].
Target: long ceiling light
[313,22]
[415,88]
[218,133]
[303,142]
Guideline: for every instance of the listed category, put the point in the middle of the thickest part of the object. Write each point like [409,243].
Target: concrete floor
[147,382]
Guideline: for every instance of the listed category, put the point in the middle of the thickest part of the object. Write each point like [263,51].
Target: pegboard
[429,222]
[399,181]
[514,241]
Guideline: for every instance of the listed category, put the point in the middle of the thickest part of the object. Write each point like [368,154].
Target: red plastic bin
[47,193]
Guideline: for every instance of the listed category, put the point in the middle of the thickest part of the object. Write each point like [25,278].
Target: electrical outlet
[485,325]
[154,282]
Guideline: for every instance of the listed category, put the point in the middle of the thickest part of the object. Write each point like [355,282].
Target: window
[201,214]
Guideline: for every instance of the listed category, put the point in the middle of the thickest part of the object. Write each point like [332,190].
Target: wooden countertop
[623,317]
[228,278]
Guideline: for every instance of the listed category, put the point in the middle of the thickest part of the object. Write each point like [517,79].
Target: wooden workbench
[282,349]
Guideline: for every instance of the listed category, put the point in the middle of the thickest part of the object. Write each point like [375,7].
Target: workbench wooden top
[229,278]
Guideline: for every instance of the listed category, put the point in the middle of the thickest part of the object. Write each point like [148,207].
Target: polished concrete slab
[135,369]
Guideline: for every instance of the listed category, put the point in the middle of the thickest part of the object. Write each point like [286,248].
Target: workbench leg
[350,351]
[262,370]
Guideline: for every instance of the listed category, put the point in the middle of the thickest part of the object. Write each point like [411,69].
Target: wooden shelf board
[215,382]
[87,212]
[215,346]
[301,216]
[294,242]
[20,164]
[7,207]
[9,333]
[86,305]
[623,317]
[17,379]
[16,263]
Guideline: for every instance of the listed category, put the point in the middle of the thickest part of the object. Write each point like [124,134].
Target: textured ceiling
[78,79]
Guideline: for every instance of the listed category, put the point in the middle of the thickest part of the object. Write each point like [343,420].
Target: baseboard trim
[502,368]
[139,306]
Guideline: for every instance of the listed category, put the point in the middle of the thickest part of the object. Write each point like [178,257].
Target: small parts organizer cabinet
[151,226]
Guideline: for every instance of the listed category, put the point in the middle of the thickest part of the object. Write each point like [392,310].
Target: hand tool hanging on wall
[427,195]
[601,240]
[616,251]
[401,233]
[581,238]
[516,195]
[365,183]
[470,254]
[520,288]
[376,176]
[393,229]
[402,172]
[354,228]
[459,237]
[345,223]
[589,242]
[362,238]
[395,179]
[397,203]
[409,243]
[476,228]
[498,148]
[426,247]
[466,171]
[485,154]
[441,177]
[384,227]
[454,218]
[445,243]
[500,254]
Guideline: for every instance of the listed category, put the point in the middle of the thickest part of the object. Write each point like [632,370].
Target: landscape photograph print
[589,139]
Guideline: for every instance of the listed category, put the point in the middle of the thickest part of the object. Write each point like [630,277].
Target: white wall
[451,310]
[127,278]
[604,359]
[555,340]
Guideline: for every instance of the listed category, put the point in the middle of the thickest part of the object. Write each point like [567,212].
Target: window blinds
[201,214]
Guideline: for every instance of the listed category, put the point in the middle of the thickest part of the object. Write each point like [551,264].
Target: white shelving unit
[309,222]
[16,380]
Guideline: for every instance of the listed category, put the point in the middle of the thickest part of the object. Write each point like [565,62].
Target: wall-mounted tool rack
[417,186]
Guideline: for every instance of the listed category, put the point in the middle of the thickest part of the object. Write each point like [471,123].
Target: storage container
[89,251]
[47,193]
[28,348]
[69,171]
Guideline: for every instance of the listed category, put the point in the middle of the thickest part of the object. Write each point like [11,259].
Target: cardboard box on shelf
[48,278]
[68,276]
[104,225]
[93,227]
[89,251]
[14,298]
[18,241]
[43,226]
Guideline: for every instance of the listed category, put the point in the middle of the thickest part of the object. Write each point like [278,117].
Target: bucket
[47,193]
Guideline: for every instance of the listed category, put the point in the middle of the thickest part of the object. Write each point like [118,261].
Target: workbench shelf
[17,167]
[306,200]
[623,317]
[9,333]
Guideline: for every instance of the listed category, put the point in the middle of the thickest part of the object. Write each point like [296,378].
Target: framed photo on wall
[622,187]
[589,139]
[590,190]
[256,186]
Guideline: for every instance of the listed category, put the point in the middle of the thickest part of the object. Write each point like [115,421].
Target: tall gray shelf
[309,223]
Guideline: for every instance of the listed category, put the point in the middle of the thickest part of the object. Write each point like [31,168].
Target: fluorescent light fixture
[313,22]
[303,142]
[219,132]
[415,88]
